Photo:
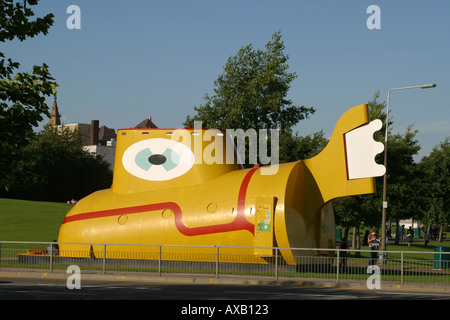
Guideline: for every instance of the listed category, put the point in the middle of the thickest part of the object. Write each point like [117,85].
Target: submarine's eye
[157,159]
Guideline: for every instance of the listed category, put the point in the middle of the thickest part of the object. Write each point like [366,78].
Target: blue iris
[169,159]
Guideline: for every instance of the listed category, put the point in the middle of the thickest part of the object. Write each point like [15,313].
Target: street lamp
[383,219]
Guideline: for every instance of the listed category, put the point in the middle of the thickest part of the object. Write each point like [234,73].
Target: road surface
[57,289]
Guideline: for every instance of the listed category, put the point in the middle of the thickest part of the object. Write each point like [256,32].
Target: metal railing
[336,264]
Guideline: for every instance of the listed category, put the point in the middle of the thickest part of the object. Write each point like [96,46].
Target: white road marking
[335,296]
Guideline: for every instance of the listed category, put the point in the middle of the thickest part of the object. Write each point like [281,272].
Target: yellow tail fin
[347,166]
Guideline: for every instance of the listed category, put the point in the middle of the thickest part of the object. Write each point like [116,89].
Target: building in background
[55,117]
[96,140]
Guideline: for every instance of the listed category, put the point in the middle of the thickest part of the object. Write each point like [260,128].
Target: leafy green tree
[401,180]
[22,94]
[356,210]
[434,183]
[401,177]
[251,93]
[55,167]
[294,147]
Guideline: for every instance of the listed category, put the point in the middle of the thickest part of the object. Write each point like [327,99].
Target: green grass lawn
[417,246]
[22,220]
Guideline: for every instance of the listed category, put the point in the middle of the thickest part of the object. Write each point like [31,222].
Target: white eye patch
[158,159]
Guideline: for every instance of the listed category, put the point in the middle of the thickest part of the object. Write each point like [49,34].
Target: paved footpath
[229,280]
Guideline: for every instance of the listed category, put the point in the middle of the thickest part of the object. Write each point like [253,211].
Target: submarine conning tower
[153,158]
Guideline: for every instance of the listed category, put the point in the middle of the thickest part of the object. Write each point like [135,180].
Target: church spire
[55,117]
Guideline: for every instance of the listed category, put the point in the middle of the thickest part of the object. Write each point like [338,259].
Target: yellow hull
[214,205]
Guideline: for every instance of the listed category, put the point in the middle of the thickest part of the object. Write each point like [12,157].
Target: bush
[55,167]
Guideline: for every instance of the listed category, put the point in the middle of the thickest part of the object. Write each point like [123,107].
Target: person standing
[374,242]
[343,255]
[409,237]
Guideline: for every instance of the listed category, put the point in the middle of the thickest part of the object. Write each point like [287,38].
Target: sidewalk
[229,280]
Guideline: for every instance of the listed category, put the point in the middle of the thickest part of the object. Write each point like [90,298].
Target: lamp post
[383,219]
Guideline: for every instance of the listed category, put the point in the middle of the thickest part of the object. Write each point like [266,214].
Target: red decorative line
[239,223]
[118,211]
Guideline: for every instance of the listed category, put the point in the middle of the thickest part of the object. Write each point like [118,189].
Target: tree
[401,179]
[356,210]
[294,147]
[401,189]
[22,94]
[435,189]
[251,93]
[55,167]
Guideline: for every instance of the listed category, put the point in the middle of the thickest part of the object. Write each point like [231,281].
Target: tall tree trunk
[397,231]
[347,230]
[356,240]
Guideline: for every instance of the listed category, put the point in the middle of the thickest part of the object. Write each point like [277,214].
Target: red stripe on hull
[239,223]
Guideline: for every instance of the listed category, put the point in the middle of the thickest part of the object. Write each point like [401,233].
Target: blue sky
[139,58]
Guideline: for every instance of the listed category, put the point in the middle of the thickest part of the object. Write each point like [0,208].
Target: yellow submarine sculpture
[162,195]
